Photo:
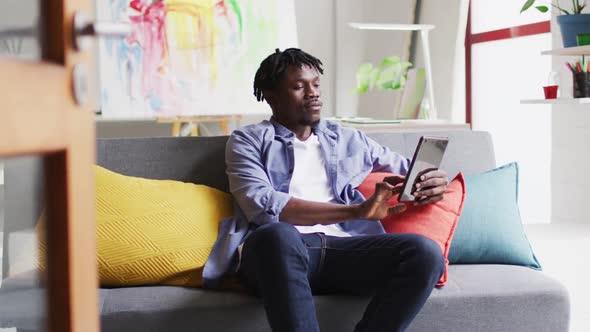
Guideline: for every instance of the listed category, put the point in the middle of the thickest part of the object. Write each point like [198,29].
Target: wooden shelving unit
[558,101]
[568,51]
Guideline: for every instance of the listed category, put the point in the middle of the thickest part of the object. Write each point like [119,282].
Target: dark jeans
[285,267]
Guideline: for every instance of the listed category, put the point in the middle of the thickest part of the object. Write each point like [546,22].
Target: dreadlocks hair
[272,69]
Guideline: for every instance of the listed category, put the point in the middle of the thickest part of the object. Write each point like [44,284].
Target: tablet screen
[427,157]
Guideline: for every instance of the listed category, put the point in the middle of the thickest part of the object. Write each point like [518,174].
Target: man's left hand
[430,187]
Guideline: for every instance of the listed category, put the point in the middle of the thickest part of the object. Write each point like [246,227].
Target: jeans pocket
[312,240]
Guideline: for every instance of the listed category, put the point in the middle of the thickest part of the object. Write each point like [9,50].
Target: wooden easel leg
[195,129]
[224,127]
[176,128]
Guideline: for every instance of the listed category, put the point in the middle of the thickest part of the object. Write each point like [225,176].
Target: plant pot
[571,26]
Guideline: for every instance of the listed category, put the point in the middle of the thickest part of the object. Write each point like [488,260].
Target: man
[301,227]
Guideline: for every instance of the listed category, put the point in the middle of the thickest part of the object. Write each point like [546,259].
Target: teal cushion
[489,230]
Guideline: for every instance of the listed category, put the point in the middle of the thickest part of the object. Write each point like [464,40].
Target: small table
[406,126]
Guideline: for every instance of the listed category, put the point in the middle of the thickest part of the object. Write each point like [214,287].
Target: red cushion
[436,221]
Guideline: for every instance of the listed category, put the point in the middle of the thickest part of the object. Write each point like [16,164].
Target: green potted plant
[572,22]
[389,75]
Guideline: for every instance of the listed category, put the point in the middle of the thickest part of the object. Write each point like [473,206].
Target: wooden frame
[488,36]
[39,116]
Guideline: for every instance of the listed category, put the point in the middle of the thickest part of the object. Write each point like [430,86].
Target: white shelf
[560,101]
[389,26]
[408,126]
[571,51]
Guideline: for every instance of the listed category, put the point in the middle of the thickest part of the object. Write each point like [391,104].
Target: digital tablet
[427,157]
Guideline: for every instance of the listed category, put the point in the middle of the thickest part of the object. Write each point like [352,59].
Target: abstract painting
[189,57]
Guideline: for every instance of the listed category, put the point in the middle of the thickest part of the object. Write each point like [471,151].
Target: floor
[564,253]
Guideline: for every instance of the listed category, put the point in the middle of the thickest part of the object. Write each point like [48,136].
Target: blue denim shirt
[260,162]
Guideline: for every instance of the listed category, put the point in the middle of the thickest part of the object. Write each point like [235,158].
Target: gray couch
[476,298]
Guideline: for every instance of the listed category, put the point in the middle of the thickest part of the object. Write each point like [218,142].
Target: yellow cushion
[152,231]
[155,231]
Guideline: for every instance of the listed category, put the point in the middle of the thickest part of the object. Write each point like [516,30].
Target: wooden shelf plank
[571,51]
[561,101]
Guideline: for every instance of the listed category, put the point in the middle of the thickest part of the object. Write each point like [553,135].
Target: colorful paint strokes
[189,57]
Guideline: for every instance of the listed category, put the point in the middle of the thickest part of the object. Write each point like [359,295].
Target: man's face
[296,100]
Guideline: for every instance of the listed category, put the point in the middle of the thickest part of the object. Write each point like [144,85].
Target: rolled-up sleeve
[385,160]
[248,181]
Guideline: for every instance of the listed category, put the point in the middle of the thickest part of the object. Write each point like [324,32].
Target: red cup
[550,91]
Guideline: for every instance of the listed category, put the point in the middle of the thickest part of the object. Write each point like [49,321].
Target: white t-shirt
[310,182]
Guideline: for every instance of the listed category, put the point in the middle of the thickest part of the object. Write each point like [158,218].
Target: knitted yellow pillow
[155,231]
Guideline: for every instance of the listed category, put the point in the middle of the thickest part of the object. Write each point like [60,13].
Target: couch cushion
[496,298]
[23,307]
[490,230]
[155,231]
[202,159]
[198,160]
[435,221]
[476,298]
[151,232]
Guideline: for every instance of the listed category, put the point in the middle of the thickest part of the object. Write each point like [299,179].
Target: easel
[190,123]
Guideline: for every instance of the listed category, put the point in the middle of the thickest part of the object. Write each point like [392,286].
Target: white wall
[354,47]
[447,48]
[505,14]
[349,49]
[503,73]
[21,14]
[315,29]
[323,30]
[570,145]
[447,44]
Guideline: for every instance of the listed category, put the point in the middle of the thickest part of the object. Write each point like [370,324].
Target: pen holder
[581,85]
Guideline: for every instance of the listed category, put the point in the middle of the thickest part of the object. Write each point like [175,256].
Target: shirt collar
[281,130]
[284,132]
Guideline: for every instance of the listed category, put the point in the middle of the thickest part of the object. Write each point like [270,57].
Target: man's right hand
[308,213]
[375,207]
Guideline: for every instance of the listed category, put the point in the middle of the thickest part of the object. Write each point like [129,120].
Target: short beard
[304,122]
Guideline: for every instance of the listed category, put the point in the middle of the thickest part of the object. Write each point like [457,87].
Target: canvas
[189,57]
